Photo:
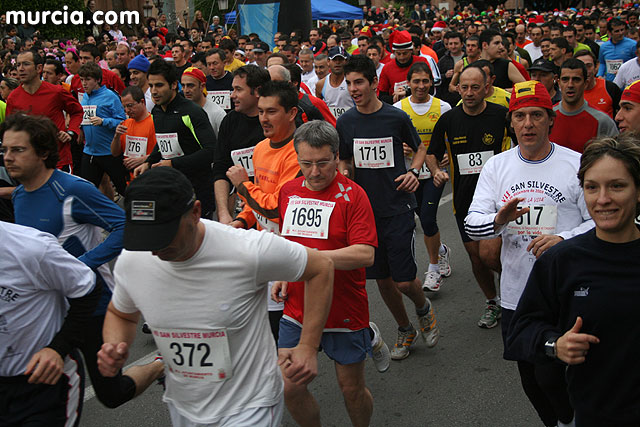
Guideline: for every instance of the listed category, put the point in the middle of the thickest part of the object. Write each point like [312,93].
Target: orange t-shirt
[140,134]
[273,167]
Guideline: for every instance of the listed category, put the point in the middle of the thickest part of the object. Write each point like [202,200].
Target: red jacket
[109,79]
[50,101]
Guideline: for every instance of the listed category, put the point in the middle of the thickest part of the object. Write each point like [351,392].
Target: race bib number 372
[373,153]
[195,354]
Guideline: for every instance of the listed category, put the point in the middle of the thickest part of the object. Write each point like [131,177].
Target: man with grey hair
[320,68]
[305,57]
[341,229]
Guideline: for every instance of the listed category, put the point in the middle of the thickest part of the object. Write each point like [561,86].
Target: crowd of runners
[231,196]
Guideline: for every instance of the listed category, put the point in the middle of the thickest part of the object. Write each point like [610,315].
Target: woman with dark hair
[151,26]
[578,305]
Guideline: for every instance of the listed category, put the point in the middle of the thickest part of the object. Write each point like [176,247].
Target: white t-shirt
[628,73]
[534,52]
[37,275]
[215,113]
[148,100]
[223,286]
[306,77]
[550,186]
[379,69]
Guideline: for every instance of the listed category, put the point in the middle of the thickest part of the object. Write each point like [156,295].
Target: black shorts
[395,254]
[460,216]
[44,405]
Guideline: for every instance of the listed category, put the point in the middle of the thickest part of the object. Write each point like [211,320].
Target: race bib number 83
[472,163]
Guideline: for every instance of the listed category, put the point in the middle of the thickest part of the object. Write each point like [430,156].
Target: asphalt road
[463,381]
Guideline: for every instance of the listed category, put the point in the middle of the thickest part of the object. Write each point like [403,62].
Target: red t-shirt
[393,74]
[109,79]
[573,131]
[50,101]
[521,68]
[351,222]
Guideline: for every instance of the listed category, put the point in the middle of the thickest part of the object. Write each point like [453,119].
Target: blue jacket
[625,50]
[109,109]
[76,212]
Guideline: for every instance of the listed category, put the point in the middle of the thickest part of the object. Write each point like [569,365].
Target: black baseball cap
[154,204]
[261,47]
[338,51]
[542,64]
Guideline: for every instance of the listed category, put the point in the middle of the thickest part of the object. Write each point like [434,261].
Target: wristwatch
[415,171]
[550,348]
[72,134]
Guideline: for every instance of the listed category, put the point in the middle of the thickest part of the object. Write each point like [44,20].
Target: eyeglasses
[130,105]
[308,165]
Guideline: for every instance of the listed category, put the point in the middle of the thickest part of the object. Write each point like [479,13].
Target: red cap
[631,92]
[196,73]
[531,93]
[400,40]
[439,26]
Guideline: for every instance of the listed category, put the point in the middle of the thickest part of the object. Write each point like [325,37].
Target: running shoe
[380,353]
[162,378]
[145,328]
[443,262]
[492,314]
[429,327]
[432,281]
[403,342]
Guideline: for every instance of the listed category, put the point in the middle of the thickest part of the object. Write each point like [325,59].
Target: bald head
[278,72]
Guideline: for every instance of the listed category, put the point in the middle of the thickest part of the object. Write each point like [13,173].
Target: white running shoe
[432,281]
[443,262]
[380,352]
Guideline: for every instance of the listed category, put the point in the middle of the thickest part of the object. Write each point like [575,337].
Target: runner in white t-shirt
[541,177]
[46,298]
[214,338]
[629,72]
